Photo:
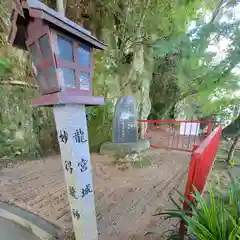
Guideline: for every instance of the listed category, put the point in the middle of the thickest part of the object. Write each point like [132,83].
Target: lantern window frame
[40,29]
[60,63]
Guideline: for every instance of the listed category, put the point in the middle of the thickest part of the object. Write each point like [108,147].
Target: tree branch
[216,12]
[232,149]
[144,14]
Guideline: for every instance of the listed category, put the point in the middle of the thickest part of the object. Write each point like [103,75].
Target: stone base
[122,149]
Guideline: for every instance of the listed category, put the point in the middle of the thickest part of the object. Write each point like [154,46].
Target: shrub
[25,131]
[215,217]
[99,124]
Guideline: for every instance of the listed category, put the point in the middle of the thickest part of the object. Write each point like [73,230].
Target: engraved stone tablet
[124,122]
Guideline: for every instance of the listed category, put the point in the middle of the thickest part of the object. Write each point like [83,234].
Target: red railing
[181,135]
[202,161]
[201,164]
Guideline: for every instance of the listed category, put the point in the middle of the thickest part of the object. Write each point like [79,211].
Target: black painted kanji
[63,135]
[72,192]
[76,214]
[79,136]
[68,166]
[86,190]
[83,165]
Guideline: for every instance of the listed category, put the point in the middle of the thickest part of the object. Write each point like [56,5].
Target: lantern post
[73,141]
[62,62]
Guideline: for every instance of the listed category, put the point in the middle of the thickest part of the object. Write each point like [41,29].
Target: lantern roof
[28,9]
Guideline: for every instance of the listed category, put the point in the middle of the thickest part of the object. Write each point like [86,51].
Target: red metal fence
[181,135]
[201,138]
[202,160]
[201,164]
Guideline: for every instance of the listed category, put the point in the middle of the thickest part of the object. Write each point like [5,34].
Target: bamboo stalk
[18,83]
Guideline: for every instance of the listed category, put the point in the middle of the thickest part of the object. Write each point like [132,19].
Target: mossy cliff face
[25,131]
[133,81]
[125,67]
[113,81]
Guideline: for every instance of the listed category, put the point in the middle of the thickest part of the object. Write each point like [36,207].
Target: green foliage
[99,125]
[139,34]
[4,66]
[233,129]
[164,90]
[215,217]
[17,138]
[25,132]
[44,130]
[187,64]
[8,142]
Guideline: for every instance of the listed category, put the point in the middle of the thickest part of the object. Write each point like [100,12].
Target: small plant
[134,160]
[99,125]
[232,163]
[215,217]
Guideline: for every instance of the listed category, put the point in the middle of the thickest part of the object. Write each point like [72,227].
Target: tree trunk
[168,109]
[232,149]
[60,7]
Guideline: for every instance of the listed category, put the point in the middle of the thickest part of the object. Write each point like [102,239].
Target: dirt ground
[220,175]
[125,200]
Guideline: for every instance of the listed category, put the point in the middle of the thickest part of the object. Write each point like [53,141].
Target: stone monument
[125,121]
[125,132]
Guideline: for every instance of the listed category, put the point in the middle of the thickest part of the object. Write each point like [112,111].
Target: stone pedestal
[123,149]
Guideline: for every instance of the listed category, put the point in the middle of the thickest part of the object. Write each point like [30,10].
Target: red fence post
[209,127]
